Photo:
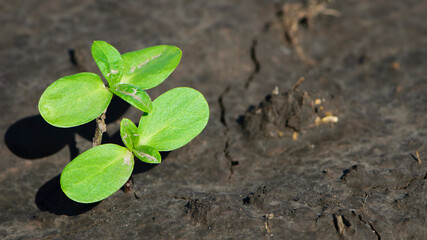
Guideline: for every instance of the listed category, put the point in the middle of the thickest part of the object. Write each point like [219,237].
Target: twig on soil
[298,83]
[267,223]
[418,157]
[340,224]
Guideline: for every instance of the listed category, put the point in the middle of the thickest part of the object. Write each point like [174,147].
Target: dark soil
[341,156]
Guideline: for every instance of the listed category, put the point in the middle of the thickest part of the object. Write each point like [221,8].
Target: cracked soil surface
[341,156]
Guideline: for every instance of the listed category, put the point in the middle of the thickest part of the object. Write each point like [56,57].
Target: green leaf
[97,173]
[129,133]
[134,95]
[109,61]
[74,100]
[178,116]
[149,67]
[147,154]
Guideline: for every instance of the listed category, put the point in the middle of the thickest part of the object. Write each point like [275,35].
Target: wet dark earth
[341,154]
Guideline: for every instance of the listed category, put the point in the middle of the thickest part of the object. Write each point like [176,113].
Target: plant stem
[100,129]
[128,185]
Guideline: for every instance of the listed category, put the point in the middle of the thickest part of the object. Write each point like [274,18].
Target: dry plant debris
[294,13]
[418,157]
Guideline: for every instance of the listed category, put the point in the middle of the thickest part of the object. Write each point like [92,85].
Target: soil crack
[222,107]
[229,159]
[411,181]
[225,125]
[257,65]
[371,226]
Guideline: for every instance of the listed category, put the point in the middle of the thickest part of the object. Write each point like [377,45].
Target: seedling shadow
[33,138]
[51,198]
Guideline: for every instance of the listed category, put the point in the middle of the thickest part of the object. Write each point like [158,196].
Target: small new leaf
[134,95]
[129,133]
[178,116]
[109,61]
[147,154]
[74,100]
[97,173]
[148,67]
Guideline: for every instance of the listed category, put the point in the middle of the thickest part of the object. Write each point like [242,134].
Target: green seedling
[167,123]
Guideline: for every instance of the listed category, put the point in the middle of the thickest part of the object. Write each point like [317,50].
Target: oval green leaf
[147,154]
[149,67]
[74,100]
[97,173]
[129,133]
[134,95]
[109,61]
[178,116]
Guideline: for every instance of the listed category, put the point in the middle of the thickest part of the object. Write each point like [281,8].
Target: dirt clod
[279,115]
[256,198]
[285,114]
[198,210]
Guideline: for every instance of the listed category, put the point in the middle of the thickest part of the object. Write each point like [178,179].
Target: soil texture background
[340,155]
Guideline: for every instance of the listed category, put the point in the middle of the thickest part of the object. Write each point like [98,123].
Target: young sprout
[169,122]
